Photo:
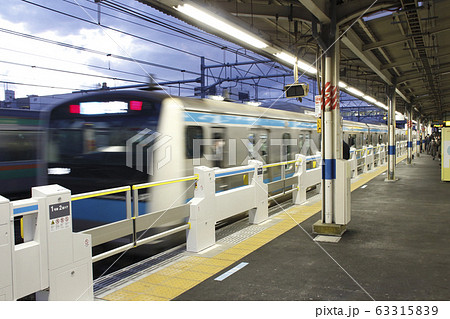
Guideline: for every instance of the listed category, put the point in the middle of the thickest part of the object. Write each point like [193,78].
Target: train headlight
[58,171]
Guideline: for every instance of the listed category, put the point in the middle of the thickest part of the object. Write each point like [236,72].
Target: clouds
[140,48]
[34,16]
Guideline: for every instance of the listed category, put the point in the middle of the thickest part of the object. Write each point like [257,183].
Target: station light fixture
[369,99]
[253,103]
[354,91]
[291,60]
[220,25]
[223,26]
[216,97]
[342,85]
[379,104]
[306,67]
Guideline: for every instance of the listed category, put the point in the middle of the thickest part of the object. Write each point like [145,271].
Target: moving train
[114,138]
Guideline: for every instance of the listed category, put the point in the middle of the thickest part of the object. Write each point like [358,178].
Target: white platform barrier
[52,261]
[208,207]
[306,178]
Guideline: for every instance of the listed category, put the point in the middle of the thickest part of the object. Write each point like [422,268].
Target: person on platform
[345,151]
[433,148]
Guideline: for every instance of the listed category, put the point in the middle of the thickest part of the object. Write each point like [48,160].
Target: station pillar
[419,135]
[391,134]
[335,171]
[410,137]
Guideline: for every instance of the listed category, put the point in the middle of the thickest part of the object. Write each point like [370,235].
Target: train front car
[99,141]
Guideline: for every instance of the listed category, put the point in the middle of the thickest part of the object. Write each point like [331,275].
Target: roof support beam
[265,11]
[352,41]
[402,38]
[414,76]
[317,8]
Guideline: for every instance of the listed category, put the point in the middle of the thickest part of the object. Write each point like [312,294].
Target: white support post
[201,233]
[370,158]
[52,262]
[353,162]
[365,159]
[299,193]
[392,143]
[69,254]
[409,144]
[6,243]
[261,211]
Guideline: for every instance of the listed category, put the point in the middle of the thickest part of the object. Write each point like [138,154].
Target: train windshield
[92,143]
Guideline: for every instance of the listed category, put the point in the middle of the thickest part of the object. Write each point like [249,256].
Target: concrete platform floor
[396,248]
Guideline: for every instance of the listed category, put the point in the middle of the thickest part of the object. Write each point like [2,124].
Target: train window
[251,145]
[217,149]
[263,149]
[307,144]
[301,142]
[18,146]
[286,147]
[193,133]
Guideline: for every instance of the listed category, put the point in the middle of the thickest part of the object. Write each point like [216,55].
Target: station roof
[382,42]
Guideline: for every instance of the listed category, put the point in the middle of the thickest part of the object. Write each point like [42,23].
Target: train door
[219,147]
[259,145]
[288,153]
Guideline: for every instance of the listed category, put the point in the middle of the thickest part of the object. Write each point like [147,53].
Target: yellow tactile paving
[175,279]
[140,287]
[180,283]
[207,269]
[120,295]
[143,297]
[169,271]
[155,279]
[167,292]
[193,275]
[227,256]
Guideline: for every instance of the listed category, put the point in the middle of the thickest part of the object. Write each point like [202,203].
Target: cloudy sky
[57,46]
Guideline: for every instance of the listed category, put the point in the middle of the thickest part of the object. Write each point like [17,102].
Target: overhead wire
[125,11]
[145,39]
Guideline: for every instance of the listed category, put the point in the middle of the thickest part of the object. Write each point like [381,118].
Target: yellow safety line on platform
[177,278]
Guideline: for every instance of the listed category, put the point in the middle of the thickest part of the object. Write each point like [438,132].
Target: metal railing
[134,223]
[297,184]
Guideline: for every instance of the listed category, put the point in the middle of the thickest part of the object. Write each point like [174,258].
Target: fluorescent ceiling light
[253,103]
[369,99]
[301,64]
[381,105]
[285,57]
[220,25]
[342,85]
[216,97]
[306,67]
[354,91]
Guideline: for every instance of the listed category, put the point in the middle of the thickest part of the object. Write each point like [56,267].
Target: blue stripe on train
[102,210]
[243,120]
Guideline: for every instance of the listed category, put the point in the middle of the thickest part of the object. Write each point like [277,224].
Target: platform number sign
[59,215]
